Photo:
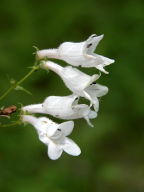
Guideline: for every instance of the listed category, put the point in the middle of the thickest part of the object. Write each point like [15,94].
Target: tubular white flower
[79,54]
[54,136]
[78,82]
[63,107]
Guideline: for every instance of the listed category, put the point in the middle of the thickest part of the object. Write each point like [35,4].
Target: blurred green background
[112,158]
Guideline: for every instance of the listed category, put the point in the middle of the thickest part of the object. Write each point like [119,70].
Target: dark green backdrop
[112,158]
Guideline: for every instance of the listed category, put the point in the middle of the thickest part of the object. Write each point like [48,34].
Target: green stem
[34,68]
[11,124]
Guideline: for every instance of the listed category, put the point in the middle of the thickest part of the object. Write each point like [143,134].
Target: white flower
[79,54]
[78,82]
[54,136]
[63,107]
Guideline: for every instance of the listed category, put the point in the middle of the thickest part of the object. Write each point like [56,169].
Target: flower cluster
[68,107]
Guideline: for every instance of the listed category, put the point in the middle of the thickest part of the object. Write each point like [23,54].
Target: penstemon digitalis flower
[79,54]
[63,107]
[54,136]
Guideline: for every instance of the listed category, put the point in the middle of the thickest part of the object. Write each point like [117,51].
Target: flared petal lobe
[71,147]
[66,127]
[54,151]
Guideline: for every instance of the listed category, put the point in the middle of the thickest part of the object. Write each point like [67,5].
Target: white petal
[91,97]
[106,61]
[81,110]
[54,151]
[100,67]
[92,43]
[66,127]
[88,96]
[92,114]
[94,91]
[96,106]
[51,130]
[70,50]
[75,79]
[29,119]
[49,65]
[97,90]
[88,121]
[71,147]
[45,125]
[76,100]
[36,108]
[43,138]
[47,53]
[59,106]
[69,75]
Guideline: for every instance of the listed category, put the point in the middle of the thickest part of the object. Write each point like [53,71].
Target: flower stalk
[11,124]
[34,68]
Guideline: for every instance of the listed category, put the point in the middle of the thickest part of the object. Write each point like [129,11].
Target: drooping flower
[63,107]
[54,136]
[78,82]
[79,54]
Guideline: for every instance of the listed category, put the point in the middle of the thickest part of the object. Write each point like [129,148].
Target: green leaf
[12,81]
[20,88]
[1,108]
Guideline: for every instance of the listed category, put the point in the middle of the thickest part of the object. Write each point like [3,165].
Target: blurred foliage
[112,158]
